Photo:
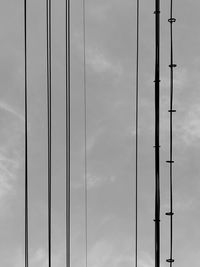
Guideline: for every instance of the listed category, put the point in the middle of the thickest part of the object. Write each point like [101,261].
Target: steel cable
[48,17]
[26,135]
[68,133]
[136,126]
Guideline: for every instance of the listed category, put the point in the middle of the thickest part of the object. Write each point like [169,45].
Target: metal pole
[157,133]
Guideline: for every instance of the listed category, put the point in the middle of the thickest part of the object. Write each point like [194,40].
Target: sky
[110,73]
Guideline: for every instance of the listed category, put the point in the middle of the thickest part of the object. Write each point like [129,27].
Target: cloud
[39,258]
[93,138]
[100,254]
[180,79]
[145,260]
[105,253]
[99,63]
[96,59]
[93,181]
[6,107]
[18,259]
[98,11]
[189,129]
[8,169]
[188,204]
[11,148]
[96,181]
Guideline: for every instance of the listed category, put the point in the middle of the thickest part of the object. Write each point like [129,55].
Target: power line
[136,138]
[85,132]
[171,111]
[68,133]
[157,133]
[48,17]
[26,134]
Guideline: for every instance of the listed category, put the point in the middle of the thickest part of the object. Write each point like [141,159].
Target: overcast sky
[110,57]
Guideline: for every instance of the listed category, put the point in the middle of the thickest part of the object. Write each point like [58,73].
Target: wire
[157,133]
[48,16]
[68,133]
[26,135]
[136,138]
[85,133]
[171,111]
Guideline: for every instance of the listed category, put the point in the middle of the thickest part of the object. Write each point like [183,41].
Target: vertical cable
[26,134]
[68,133]
[157,133]
[85,133]
[48,15]
[136,136]
[171,111]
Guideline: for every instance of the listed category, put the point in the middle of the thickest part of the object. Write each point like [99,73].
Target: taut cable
[136,136]
[68,133]
[48,17]
[85,133]
[26,135]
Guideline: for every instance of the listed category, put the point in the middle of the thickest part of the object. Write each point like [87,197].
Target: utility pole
[157,133]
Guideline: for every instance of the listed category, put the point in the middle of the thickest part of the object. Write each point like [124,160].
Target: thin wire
[68,133]
[157,133]
[26,135]
[172,65]
[136,139]
[48,15]
[85,133]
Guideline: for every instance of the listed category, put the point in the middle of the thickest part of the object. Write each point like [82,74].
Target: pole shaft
[157,133]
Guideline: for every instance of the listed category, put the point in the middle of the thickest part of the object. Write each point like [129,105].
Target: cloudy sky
[110,56]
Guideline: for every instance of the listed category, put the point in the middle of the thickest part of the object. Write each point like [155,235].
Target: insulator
[170,260]
[157,12]
[169,213]
[172,65]
[170,161]
[171,20]
[156,146]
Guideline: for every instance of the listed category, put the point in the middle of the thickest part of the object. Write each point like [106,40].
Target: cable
[68,133]
[85,134]
[157,133]
[26,135]
[171,111]
[48,17]
[136,137]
